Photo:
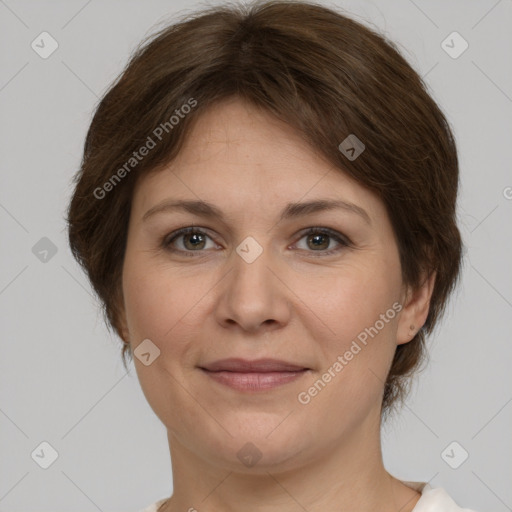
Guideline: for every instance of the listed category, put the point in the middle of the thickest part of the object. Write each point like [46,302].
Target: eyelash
[342,240]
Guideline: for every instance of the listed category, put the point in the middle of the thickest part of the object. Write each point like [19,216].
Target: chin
[257,446]
[258,458]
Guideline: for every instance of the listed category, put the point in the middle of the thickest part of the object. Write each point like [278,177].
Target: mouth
[258,375]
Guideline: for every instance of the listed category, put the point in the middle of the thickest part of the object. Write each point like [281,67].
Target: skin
[293,302]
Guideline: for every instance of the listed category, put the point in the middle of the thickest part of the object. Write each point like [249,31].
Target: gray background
[62,380]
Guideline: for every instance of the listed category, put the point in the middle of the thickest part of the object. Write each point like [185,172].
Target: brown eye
[193,241]
[320,239]
[186,240]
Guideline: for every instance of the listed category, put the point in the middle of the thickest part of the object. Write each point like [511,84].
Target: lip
[256,375]
[255,366]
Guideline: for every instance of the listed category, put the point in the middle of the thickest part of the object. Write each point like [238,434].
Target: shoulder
[434,499]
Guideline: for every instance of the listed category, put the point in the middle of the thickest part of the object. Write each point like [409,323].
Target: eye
[193,240]
[319,240]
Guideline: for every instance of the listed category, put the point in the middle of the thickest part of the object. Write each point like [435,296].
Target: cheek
[358,312]
[143,303]
[355,365]
[349,299]
[156,309]
[156,301]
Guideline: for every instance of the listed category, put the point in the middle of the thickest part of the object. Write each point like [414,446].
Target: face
[316,288]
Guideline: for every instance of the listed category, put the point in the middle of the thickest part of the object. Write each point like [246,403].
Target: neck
[349,477]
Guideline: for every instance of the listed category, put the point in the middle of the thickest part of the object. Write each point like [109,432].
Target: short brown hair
[322,73]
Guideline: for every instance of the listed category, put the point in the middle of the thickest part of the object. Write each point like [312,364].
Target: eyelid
[171,237]
[342,240]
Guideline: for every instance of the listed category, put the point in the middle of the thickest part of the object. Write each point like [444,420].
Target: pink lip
[256,366]
[258,375]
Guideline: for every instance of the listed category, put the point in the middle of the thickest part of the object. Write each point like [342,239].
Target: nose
[252,296]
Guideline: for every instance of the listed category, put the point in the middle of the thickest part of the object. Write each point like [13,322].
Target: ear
[415,309]
[121,324]
[122,327]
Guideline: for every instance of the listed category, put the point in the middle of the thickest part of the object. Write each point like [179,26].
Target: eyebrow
[292,210]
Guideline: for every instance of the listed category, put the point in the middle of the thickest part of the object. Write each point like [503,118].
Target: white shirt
[434,499]
[431,500]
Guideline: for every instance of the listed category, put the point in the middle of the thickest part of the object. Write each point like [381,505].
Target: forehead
[243,158]
[238,130]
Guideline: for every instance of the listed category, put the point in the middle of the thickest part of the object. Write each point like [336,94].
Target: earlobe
[125,336]
[415,310]
[122,325]
[123,331]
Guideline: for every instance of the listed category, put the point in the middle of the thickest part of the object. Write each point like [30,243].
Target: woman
[266,208]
